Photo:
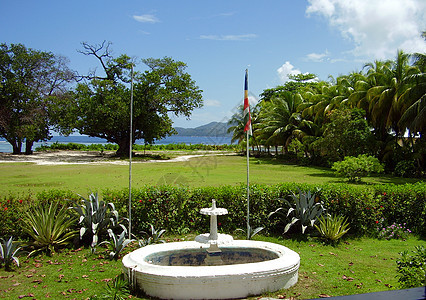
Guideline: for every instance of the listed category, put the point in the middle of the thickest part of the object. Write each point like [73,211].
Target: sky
[219,39]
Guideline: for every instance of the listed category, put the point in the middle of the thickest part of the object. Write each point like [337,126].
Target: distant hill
[211,129]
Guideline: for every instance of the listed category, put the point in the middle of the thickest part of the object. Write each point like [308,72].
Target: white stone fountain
[214,266]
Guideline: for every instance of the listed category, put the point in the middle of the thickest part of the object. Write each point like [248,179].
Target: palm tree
[278,118]
[237,125]
[383,98]
[413,101]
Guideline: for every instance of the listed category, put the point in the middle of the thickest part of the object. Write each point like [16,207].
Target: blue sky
[219,39]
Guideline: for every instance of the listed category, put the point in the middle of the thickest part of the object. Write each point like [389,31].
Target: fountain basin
[181,270]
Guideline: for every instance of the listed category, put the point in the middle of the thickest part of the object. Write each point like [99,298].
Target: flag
[247,116]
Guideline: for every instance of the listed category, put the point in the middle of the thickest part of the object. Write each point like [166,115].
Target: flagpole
[130,154]
[248,188]
[247,129]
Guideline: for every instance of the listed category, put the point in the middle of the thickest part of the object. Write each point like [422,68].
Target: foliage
[354,168]
[394,231]
[250,232]
[28,78]
[9,251]
[304,208]
[154,237]
[136,147]
[411,268]
[100,107]
[405,168]
[332,227]
[177,207]
[117,289]
[49,227]
[117,243]
[95,217]
[347,134]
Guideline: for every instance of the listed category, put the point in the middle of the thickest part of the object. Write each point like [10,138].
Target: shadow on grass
[324,172]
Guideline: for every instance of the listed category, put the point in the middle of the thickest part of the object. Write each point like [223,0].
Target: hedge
[176,208]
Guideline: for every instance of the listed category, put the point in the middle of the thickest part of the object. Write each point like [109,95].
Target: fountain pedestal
[214,237]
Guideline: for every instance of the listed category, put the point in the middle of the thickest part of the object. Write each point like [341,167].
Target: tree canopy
[100,105]
[28,78]
[378,111]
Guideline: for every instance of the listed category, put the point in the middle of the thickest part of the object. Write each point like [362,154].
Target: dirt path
[83,157]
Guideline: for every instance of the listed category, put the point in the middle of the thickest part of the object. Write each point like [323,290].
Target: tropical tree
[28,79]
[390,84]
[279,117]
[347,134]
[237,124]
[100,105]
[413,101]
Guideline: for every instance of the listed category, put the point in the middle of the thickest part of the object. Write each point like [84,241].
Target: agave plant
[9,252]
[49,227]
[95,217]
[251,232]
[332,228]
[117,243]
[303,209]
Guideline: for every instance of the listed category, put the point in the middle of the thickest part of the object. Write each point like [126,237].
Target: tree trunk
[123,148]
[28,147]
[16,146]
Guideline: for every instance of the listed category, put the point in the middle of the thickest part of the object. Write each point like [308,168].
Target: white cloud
[230,37]
[146,18]
[377,28]
[287,69]
[212,103]
[317,57]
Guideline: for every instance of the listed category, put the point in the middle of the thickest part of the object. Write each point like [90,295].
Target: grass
[28,178]
[353,267]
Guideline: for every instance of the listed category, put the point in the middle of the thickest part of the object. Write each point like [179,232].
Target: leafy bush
[304,208]
[405,168]
[332,227]
[49,227]
[354,168]
[176,208]
[9,251]
[411,268]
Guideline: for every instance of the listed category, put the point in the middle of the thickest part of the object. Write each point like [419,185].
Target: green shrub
[405,168]
[332,227]
[354,168]
[411,268]
[176,208]
[49,227]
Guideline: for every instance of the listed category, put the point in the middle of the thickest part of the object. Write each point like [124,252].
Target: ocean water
[87,140]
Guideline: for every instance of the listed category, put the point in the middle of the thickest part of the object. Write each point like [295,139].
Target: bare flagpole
[247,129]
[130,154]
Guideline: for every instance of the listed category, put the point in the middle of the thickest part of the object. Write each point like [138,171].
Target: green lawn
[355,266]
[27,178]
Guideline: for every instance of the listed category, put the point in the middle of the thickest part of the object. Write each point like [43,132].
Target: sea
[87,140]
